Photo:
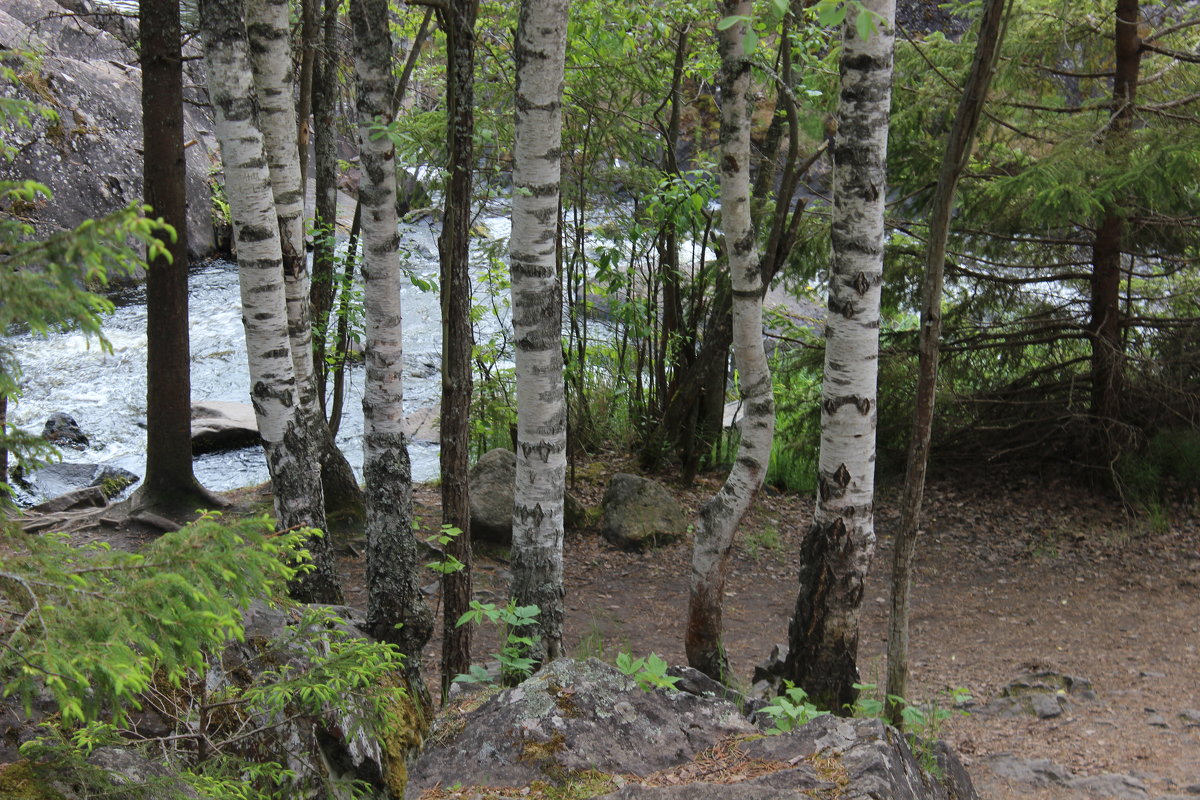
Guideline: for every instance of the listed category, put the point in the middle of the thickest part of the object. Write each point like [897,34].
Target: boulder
[67,484]
[492,485]
[578,722]
[90,497]
[64,431]
[640,513]
[572,716]
[219,425]
[90,156]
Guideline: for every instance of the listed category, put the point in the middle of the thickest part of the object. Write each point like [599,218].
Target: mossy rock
[22,780]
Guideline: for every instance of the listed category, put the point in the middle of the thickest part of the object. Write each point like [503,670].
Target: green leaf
[749,43]
[832,14]
[864,24]
[728,22]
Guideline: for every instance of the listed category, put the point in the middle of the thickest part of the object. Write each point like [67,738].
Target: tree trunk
[958,149]
[720,516]
[290,451]
[537,319]
[454,252]
[324,105]
[396,611]
[169,485]
[1105,326]
[267,24]
[837,550]
[310,28]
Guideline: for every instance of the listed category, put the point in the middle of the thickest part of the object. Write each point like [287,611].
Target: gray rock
[1109,784]
[576,716]
[55,481]
[1190,717]
[220,425]
[90,497]
[1045,705]
[90,156]
[640,513]
[492,486]
[573,715]
[1034,771]
[1042,694]
[63,430]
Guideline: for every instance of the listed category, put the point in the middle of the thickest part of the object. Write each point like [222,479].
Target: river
[106,392]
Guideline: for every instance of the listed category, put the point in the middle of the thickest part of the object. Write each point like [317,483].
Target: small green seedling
[649,672]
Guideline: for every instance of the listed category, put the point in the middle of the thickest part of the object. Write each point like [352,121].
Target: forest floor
[1013,577]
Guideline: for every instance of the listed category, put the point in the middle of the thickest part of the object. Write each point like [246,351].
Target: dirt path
[1011,580]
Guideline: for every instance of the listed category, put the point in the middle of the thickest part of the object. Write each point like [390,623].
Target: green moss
[23,781]
[404,731]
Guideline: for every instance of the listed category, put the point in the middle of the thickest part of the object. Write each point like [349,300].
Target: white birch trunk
[537,319]
[837,550]
[396,610]
[721,515]
[294,470]
[271,58]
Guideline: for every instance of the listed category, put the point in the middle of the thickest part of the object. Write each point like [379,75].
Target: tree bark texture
[169,482]
[721,515]
[324,104]
[291,457]
[837,550]
[271,58]
[457,341]
[954,160]
[1104,328]
[396,610]
[537,319]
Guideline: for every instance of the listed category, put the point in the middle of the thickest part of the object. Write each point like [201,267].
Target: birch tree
[291,458]
[720,516]
[837,550]
[537,319]
[270,51]
[396,611]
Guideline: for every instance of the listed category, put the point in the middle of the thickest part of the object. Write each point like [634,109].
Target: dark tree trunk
[1105,326]
[310,28]
[453,248]
[169,483]
[324,105]
[962,134]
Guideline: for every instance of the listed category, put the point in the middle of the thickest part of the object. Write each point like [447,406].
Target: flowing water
[106,392]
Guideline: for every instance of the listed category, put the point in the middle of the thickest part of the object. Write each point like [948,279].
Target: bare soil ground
[1012,577]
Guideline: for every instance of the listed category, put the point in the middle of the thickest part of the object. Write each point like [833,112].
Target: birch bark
[396,610]
[720,516]
[837,550]
[537,319]
[290,455]
[271,59]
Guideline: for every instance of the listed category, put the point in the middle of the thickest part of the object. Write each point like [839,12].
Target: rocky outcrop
[89,156]
[640,513]
[585,722]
